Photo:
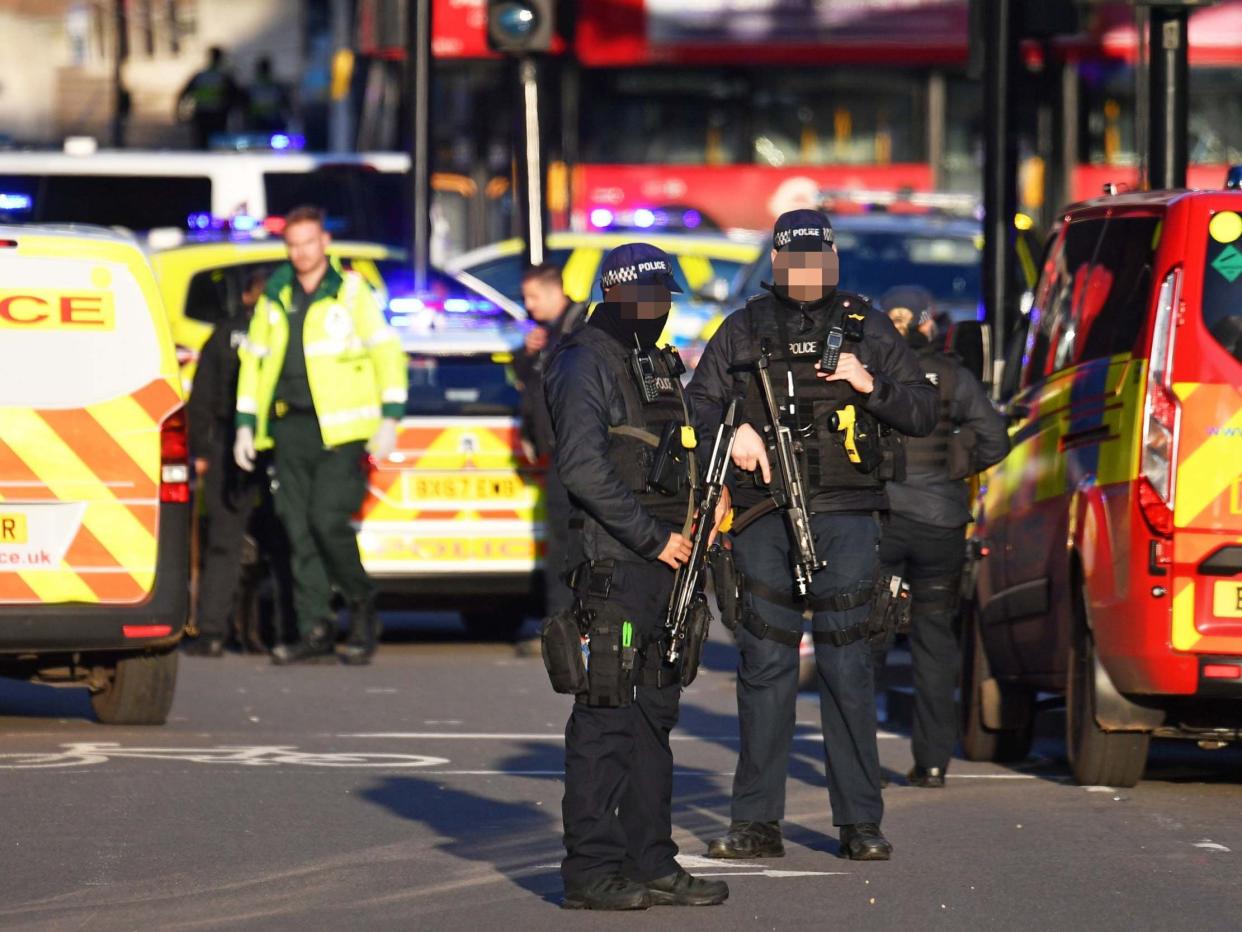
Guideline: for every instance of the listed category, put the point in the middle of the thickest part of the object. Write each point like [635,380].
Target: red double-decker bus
[725,112]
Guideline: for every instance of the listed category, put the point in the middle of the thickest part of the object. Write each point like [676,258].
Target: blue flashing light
[200,221]
[19,203]
[458,305]
[644,218]
[244,223]
[280,142]
[601,218]
[691,219]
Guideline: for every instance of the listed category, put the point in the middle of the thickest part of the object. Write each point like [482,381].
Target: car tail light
[1161,415]
[1222,671]
[174,459]
[146,631]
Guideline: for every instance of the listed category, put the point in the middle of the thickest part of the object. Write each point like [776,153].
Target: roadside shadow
[20,699]
[519,839]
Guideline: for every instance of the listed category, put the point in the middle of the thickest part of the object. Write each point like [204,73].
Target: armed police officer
[624,451]
[841,382]
[925,540]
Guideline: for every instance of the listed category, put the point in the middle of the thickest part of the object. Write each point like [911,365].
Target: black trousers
[931,559]
[767,676]
[557,595]
[229,499]
[617,808]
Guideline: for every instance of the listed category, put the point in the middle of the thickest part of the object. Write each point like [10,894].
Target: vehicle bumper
[76,627]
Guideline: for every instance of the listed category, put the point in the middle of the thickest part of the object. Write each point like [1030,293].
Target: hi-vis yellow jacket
[354,361]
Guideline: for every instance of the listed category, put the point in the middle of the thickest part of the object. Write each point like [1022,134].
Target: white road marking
[1209,845]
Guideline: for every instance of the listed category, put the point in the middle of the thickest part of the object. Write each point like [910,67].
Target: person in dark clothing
[208,99]
[626,545]
[925,539]
[229,494]
[878,386]
[555,317]
[267,101]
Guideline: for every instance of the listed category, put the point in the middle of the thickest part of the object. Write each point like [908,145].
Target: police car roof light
[16,202]
[602,217]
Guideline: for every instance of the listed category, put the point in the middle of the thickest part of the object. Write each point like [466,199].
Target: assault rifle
[689,581]
[788,492]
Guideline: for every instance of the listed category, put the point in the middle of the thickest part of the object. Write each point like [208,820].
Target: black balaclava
[608,318]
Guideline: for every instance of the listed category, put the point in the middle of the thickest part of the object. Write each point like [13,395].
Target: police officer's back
[845,427]
[924,539]
[616,403]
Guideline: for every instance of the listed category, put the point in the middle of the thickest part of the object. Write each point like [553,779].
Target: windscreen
[461,386]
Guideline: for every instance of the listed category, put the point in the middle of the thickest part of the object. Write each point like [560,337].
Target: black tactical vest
[825,465]
[634,444]
[946,453]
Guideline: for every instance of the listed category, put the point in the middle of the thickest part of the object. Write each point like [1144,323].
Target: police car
[454,517]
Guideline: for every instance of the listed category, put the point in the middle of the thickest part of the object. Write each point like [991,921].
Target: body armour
[831,435]
[646,439]
[946,452]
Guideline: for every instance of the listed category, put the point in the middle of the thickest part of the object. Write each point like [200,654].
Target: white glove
[384,442]
[243,449]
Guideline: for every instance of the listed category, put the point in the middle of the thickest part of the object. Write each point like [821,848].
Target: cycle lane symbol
[91,753]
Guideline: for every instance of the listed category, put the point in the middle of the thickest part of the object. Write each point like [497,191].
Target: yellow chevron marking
[1185,635]
[59,585]
[1204,475]
[133,430]
[59,467]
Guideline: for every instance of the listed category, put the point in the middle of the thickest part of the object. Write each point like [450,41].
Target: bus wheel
[139,690]
[976,687]
[1097,757]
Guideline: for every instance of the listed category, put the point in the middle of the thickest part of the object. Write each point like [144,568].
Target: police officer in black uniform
[878,386]
[925,540]
[229,495]
[616,402]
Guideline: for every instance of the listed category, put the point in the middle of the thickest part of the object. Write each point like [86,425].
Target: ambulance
[94,493]
[1110,539]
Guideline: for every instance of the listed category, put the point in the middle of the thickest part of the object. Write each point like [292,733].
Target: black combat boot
[863,842]
[749,840]
[363,633]
[314,647]
[927,777]
[611,892]
[682,889]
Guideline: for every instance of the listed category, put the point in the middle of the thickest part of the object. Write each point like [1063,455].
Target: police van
[1111,537]
[94,494]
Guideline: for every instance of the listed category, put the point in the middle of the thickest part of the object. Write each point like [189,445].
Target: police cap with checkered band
[802,230]
[637,263]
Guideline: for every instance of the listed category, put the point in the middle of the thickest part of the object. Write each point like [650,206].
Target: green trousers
[317,492]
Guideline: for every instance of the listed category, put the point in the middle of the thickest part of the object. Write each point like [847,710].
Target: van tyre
[980,743]
[1097,757]
[139,691]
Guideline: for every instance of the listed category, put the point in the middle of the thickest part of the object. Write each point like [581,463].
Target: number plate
[1227,599]
[466,488]
[13,528]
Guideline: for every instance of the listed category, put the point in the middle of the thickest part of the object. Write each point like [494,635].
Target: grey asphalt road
[423,793]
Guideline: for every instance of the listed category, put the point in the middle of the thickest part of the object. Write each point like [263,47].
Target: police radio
[832,351]
[644,373]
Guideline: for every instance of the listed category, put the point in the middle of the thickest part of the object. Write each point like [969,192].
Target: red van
[1110,539]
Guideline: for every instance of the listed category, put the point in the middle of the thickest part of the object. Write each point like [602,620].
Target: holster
[697,623]
[562,653]
[728,583]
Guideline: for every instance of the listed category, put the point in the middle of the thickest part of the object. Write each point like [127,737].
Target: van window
[215,295]
[460,386]
[1222,282]
[136,203]
[74,332]
[1051,341]
[1114,308]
